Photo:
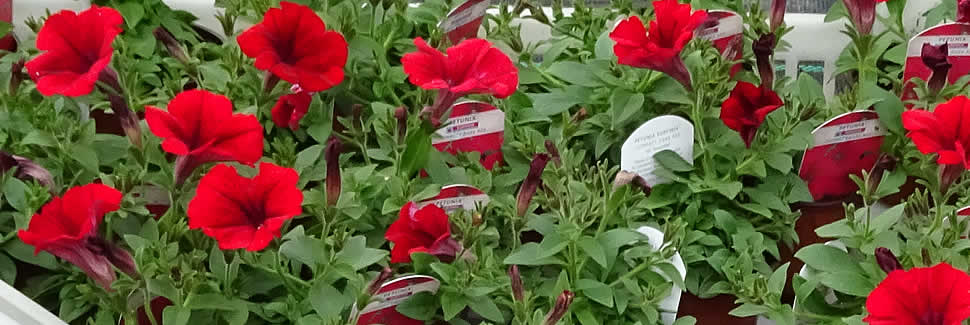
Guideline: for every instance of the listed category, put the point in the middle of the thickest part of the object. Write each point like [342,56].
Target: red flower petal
[419,231]
[78,48]
[241,212]
[745,110]
[911,297]
[943,131]
[660,48]
[289,109]
[471,67]
[426,68]
[70,219]
[293,43]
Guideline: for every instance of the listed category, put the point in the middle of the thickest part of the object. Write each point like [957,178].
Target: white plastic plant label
[669,305]
[17,309]
[463,22]
[845,145]
[458,196]
[473,127]
[666,132]
[382,309]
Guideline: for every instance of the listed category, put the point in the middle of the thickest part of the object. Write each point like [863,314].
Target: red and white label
[845,145]
[458,196]
[463,22]
[668,132]
[956,35]
[392,293]
[727,35]
[473,127]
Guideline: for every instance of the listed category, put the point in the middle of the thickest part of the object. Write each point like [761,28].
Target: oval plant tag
[473,127]
[382,308]
[845,145]
[661,133]
[956,35]
[458,196]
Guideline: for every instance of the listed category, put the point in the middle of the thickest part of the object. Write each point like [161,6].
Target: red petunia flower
[963,11]
[746,108]
[660,48]
[200,127]
[471,67]
[938,295]
[424,230]
[78,48]
[294,44]
[862,13]
[946,132]
[67,228]
[289,109]
[241,212]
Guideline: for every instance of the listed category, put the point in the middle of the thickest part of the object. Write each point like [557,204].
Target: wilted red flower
[746,108]
[294,44]
[946,132]
[289,109]
[938,295]
[425,230]
[764,48]
[26,169]
[200,127]
[78,48]
[887,260]
[471,67]
[862,13]
[241,212]
[531,183]
[67,227]
[332,154]
[518,293]
[660,48]
[935,58]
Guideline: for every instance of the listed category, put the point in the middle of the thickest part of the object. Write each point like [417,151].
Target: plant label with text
[845,145]
[463,22]
[956,35]
[382,309]
[458,196]
[726,32]
[661,133]
[473,127]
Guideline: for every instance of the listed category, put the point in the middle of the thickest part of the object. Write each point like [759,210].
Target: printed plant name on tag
[661,133]
[382,309]
[473,127]
[846,144]
[727,35]
[956,35]
[458,196]
[463,22]
[669,305]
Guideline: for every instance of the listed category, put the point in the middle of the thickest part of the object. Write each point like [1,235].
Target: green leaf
[132,11]
[728,190]
[604,46]
[557,101]
[889,107]
[5,28]
[320,117]
[827,258]
[686,320]
[416,152]
[85,156]
[776,284]
[15,193]
[306,250]
[209,301]
[8,270]
[597,291]
[447,272]
[452,303]
[624,104]
[779,161]
[214,76]
[888,218]
[575,73]
[594,250]
[847,282]
[809,90]
[356,253]
[754,168]
[890,183]
[25,253]
[163,286]
[748,309]
[672,161]
[486,307]
[420,306]
[217,264]
[40,138]
[326,300]
[532,254]
[176,315]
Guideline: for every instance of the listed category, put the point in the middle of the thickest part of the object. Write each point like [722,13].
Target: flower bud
[171,44]
[401,114]
[764,48]
[554,152]
[624,177]
[862,13]
[477,219]
[119,105]
[580,115]
[531,183]
[517,292]
[948,175]
[332,154]
[118,257]
[935,58]
[559,310]
[26,169]
[777,13]
[887,261]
